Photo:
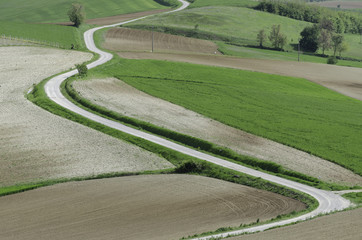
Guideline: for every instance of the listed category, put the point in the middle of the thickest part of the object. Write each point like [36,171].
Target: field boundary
[6,41]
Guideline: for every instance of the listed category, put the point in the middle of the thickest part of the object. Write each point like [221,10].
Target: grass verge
[355,197]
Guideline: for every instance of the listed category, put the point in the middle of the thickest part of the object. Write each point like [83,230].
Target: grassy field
[41,11]
[292,111]
[250,52]
[63,35]
[238,25]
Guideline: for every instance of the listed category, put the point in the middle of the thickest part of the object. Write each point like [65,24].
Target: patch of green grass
[248,52]
[41,11]
[288,110]
[234,24]
[355,197]
[230,3]
[63,35]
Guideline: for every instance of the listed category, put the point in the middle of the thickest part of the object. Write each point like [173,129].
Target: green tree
[324,40]
[309,40]
[277,39]
[261,37]
[76,14]
[342,48]
[82,69]
[337,40]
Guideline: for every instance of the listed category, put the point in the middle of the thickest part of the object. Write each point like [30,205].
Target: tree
[261,37]
[342,48]
[277,39]
[82,69]
[309,40]
[337,40]
[324,40]
[76,14]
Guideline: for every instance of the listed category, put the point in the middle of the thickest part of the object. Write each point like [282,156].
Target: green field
[289,110]
[41,11]
[238,25]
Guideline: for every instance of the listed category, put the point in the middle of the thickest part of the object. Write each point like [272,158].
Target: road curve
[328,201]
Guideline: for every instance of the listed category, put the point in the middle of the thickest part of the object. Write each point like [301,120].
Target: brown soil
[341,226]
[118,18]
[343,4]
[37,145]
[139,207]
[345,80]
[124,39]
[120,97]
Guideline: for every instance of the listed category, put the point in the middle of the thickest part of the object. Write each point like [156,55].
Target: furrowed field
[289,110]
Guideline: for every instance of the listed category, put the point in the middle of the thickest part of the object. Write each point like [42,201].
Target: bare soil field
[341,226]
[37,145]
[345,80]
[138,207]
[341,4]
[124,39]
[124,99]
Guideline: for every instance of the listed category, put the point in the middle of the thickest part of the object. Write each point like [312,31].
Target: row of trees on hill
[343,21]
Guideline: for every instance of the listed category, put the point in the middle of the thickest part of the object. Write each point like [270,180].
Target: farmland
[137,207]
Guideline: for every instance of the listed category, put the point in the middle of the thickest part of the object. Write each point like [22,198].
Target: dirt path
[37,145]
[341,226]
[345,80]
[140,207]
[120,97]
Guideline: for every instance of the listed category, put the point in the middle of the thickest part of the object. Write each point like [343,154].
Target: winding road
[328,201]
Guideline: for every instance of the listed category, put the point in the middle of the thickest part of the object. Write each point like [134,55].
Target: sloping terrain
[37,145]
[139,207]
[124,39]
[341,226]
[120,97]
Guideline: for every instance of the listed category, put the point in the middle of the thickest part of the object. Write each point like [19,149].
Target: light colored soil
[341,226]
[37,145]
[343,4]
[120,97]
[139,207]
[345,80]
[125,39]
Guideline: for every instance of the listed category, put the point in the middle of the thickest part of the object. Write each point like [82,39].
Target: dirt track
[37,145]
[141,207]
[125,39]
[341,226]
[120,97]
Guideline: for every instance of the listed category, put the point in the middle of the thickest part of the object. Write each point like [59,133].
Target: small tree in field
[82,69]
[76,14]
[261,37]
[337,41]
[277,39]
[324,39]
[342,48]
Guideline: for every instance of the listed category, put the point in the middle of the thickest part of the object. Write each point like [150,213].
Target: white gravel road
[328,201]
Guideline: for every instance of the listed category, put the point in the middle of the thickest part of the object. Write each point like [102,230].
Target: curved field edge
[291,111]
[195,143]
[183,163]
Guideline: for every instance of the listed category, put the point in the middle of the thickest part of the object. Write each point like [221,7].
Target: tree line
[342,21]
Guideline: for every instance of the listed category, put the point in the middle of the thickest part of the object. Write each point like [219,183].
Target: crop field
[341,226]
[36,145]
[126,100]
[56,10]
[342,4]
[123,39]
[139,207]
[239,25]
[291,111]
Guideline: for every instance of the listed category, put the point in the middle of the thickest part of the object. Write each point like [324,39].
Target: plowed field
[124,39]
[120,97]
[140,207]
[37,145]
[341,226]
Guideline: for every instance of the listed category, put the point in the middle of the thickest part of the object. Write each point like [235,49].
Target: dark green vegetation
[56,10]
[343,22]
[355,197]
[291,111]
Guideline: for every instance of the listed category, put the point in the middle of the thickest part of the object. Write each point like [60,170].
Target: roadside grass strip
[292,111]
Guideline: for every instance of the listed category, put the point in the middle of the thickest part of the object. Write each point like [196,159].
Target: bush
[82,69]
[332,60]
[191,167]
